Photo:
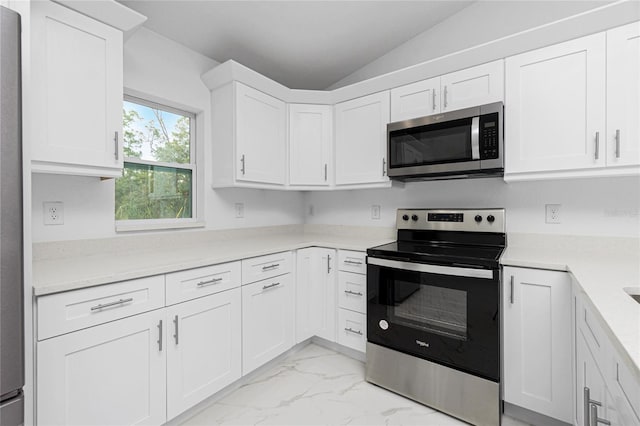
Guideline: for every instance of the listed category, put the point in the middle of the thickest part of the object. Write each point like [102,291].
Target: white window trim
[133,225]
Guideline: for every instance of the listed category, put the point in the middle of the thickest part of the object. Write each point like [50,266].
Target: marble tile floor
[317,386]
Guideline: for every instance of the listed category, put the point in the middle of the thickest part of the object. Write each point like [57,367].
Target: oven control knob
[405,217]
[414,217]
[491,218]
[383,324]
[478,218]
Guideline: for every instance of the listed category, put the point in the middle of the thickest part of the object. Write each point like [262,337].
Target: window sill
[155,225]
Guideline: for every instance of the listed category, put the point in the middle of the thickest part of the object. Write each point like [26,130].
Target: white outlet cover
[239,210]
[53,213]
[552,213]
[375,211]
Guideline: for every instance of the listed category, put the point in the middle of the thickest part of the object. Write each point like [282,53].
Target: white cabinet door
[555,107]
[260,136]
[310,142]
[361,139]
[112,374]
[623,96]
[415,100]
[268,318]
[316,294]
[77,87]
[537,341]
[204,350]
[587,376]
[352,330]
[474,86]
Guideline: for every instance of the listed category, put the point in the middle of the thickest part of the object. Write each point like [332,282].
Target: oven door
[437,147]
[448,315]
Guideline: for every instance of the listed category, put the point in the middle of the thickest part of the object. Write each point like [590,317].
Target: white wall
[603,207]
[168,73]
[481,22]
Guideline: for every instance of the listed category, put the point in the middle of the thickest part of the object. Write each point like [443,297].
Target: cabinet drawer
[187,285]
[352,261]
[593,333]
[352,291]
[627,384]
[352,329]
[263,267]
[65,312]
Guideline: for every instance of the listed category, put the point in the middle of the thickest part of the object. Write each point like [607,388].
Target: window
[158,181]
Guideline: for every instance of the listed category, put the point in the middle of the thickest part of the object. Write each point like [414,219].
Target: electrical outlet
[552,213]
[239,210]
[311,210]
[375,211]
[53,213]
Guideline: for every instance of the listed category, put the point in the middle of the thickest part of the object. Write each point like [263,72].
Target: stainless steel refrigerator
[11,258]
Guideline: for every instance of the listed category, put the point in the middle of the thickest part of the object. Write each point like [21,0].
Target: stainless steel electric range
[433,311]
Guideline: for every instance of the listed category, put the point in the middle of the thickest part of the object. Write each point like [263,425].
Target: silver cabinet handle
[421,343]
[597,153]
[384,167]
[594,419]
[115,140]
[269,267]
[107,305]
[433,96]
[243,163]
[511,295]
[328,264]
[160,336]
[475,138]
[212,281]
[266,287]
[355,293]
[175,323]
[445,96]
[351,330]
[352,262]
[587,403]
[618,143]
[325,172]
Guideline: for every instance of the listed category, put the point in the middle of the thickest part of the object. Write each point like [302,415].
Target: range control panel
[470,220]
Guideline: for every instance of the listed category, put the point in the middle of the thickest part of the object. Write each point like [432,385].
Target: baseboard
[351,353]
[530,417]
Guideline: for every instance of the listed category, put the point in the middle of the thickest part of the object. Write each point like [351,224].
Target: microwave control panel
[489,137]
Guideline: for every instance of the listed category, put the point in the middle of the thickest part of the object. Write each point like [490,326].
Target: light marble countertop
[65,266]
[603,267]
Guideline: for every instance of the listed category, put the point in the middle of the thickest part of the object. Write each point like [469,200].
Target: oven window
[437,310]
[431,144]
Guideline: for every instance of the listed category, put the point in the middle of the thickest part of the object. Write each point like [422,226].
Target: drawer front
[352,291]
[628,386]
[593,333]
[352,261]
[187,285]
[73,310]
[263,267]
[352,329]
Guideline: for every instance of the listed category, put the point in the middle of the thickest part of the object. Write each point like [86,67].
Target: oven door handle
[432,269]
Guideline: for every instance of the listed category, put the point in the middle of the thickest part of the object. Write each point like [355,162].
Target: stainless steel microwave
[457,144]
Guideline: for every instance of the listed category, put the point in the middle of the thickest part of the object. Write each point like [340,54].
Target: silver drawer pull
[353,262]
[355,293]
[269,267]
[421,343]
[265,287]
[107,305]
[212,281]
[351,330]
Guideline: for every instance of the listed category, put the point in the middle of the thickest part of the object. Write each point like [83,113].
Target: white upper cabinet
[474,86]
[361,140]
[555,107]
[310,144]
[623,96]
[469,87]
[415,100]
[77,72]
[249,139]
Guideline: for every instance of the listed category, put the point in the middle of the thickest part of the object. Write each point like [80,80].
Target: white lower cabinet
[204,349]
[111,374]
[316,294]
[352,329]
[268,320]
[537,341]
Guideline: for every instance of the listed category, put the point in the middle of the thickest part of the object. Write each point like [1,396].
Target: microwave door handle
[475,138]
